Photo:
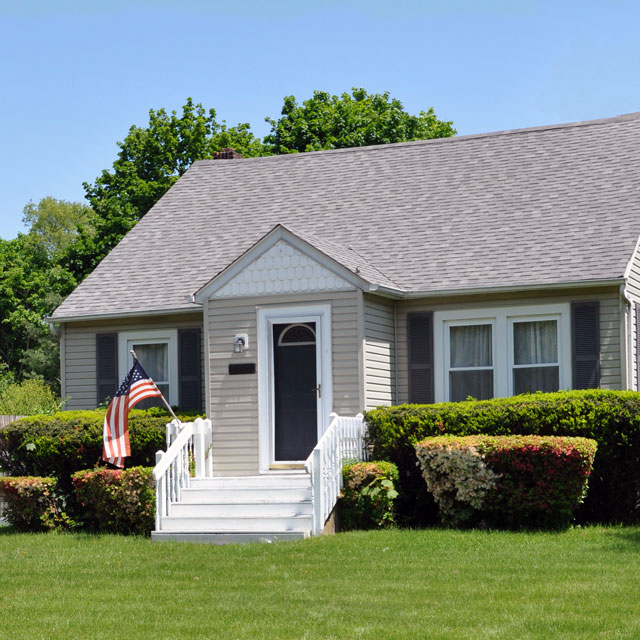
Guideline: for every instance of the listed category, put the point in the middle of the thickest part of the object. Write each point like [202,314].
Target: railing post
[208,449]
[160,497]
[199,447]
[318,497]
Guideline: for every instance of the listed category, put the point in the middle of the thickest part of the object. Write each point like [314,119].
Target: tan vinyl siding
[234,399]
[610,343]
[379,352]
[79,360]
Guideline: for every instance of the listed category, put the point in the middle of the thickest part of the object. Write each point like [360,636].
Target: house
[271,292]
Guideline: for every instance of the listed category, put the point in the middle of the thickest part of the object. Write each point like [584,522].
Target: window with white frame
[486,353]
[157,352]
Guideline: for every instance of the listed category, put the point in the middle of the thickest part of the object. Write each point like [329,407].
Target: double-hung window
[157,352]
[487,353]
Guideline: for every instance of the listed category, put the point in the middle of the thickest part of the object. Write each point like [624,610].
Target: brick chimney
[227,154]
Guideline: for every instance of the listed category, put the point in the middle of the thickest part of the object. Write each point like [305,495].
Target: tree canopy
[152,158]
[32,285]
[54,223]
[350,120]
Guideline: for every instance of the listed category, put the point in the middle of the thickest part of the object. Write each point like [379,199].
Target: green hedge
[507,481]
[116,500]
[33,504]
[611,418]
[366,499]
[69,441]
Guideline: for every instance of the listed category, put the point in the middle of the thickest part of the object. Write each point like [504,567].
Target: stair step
[246,495]
[238,524]
[210,509]
[226,538]
[272,480]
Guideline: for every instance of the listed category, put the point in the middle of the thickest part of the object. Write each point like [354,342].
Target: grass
[582,583]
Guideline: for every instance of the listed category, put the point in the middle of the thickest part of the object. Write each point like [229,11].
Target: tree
[350,120]
[152,158]
[32,285]
[150,161]
[54,223]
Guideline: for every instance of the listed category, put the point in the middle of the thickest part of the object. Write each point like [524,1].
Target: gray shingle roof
[537,206]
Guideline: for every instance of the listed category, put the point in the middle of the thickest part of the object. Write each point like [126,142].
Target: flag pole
[166,404]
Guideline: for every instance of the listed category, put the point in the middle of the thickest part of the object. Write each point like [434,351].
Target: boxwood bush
[507,481]
[116,500]
[366,499]
[611,418]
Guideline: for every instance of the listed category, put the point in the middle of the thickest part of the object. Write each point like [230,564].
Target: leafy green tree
[32,285]
[152,158]
[150,161]
[350,120]
[54,223]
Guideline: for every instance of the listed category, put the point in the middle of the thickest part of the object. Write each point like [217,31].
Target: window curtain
[471,346]
[535,342]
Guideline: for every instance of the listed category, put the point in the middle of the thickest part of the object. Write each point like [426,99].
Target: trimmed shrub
[70,441]
[509,481]
[611,418]
[366,500]
[117,500]
[32,504]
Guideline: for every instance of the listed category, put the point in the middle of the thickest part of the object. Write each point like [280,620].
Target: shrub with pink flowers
[117,500]
[507,481]
[33,504]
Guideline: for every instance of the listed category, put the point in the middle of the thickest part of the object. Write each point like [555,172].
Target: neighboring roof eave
[279,232]
[193,308]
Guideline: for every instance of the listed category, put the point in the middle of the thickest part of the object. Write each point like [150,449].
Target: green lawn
[583,583]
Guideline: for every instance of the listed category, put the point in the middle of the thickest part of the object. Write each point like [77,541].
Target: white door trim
[267,317]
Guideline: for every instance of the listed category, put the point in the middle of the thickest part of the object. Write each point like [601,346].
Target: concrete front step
[226,538]
[262,508]
[238,524]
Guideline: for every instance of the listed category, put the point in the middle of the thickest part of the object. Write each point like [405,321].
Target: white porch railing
[343,440]
[188,455]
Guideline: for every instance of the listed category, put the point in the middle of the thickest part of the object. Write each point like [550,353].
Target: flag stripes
[136,386]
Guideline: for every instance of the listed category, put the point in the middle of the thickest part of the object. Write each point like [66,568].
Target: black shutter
[189,369]
[585,329]
[420,343]
[106,365]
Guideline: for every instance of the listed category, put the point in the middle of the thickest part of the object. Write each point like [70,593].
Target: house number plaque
[242,369]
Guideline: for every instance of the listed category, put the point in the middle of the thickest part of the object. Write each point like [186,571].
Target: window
[499,352]
[534,362]
[470,361]
[157,352]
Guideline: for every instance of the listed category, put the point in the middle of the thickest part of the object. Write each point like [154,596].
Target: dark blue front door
[295,390]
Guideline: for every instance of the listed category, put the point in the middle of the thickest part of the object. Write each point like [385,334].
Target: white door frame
[267,317]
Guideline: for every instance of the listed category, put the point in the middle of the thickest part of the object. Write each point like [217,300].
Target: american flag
[136,386]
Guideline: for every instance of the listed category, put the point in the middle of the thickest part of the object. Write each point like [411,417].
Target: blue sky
[75,75]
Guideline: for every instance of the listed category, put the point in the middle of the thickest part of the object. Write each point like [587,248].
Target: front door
[294,382]
[295,390]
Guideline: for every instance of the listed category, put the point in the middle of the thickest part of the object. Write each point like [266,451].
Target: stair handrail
[343,440]
[188,454]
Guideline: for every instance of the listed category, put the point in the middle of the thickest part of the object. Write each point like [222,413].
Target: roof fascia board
[579,284]
[265,243]
[627,271]
[196,308]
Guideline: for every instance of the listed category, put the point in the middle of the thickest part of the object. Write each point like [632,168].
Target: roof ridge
[635,115]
